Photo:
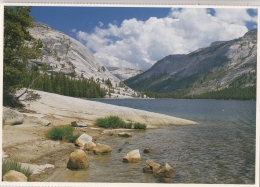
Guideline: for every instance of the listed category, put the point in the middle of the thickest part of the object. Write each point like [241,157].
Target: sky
[138,37]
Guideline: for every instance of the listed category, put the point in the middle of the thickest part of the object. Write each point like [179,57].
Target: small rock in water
[151,166]
[89,146]
[132,156]
[101,149]
[165,172]
[149,150]
[124,134]
[83,139]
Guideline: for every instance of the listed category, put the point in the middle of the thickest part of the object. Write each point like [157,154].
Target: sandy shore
[27,142]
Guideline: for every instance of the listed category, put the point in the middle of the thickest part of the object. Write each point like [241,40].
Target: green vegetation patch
[139,126]
[114,122]
[62,133]
[8,165]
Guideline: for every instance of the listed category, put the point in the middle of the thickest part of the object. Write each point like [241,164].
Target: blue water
[220,150]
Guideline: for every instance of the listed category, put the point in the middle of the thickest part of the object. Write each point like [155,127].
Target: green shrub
[110,122]
[139,126]
[62,133]
[116,122]
[8,165]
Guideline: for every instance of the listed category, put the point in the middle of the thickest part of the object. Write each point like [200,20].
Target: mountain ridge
[204,70]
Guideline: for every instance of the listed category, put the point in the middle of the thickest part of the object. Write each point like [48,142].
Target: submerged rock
[151,166]
[78,160]
[83,139]
[14,176]
[149,150]
[132,156]
[12,117]
[165,172]
[78,124]
[125,134]
[101,149]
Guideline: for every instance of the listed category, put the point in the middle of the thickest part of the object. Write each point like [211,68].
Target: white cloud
[100,24]
[73,30]
[139,44]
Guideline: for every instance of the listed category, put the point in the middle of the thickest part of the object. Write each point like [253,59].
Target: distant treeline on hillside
[247,93]
[63,84]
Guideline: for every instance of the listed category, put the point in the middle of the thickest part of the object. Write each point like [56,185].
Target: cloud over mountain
[139,44]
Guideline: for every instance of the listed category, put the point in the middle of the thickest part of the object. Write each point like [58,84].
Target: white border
[137,3]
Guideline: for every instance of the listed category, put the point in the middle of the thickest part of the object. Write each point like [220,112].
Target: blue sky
[138,37]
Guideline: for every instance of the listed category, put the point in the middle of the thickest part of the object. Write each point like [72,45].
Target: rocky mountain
[63,54]
[223,65]
[123,73]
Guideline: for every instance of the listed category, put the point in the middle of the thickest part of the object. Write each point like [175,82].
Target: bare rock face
[14,176]
[83,139]
[78,124]
[43,122]
[151,166]
[132,156]
[101,149]
[165,173]
[78,160]
[12,117]
[89,146]
[125,134]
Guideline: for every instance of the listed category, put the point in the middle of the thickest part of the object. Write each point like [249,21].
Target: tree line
[63,84]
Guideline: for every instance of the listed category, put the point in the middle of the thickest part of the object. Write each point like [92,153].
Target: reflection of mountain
[123,73]
[64,54]
[226,65]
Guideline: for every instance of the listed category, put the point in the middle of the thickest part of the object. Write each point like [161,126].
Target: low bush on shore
[62,133]
[114,122]
[8,165]
[139,126]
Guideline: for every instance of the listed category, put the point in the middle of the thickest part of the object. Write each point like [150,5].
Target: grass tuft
[113,122]
[8,165]
[62,133]
[139,126]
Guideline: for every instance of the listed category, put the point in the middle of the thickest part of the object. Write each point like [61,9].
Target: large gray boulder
[132,156]
[14,176]
[78,160]
[83,139]
[12,117]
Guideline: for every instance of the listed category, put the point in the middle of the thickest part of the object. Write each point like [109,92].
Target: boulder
[89,146]
[78,160]
[132,156]
[165,172]
[78,124]
[151,166]
[124,134]
[43,122]
[12,117]
[101,149]
[14,176]
[149,150]
[83,139]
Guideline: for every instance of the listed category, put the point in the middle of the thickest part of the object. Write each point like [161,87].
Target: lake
[220,150]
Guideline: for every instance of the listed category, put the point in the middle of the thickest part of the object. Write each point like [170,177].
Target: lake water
[220,150]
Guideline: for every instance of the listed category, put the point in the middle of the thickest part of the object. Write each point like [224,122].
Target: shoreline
[27,142]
